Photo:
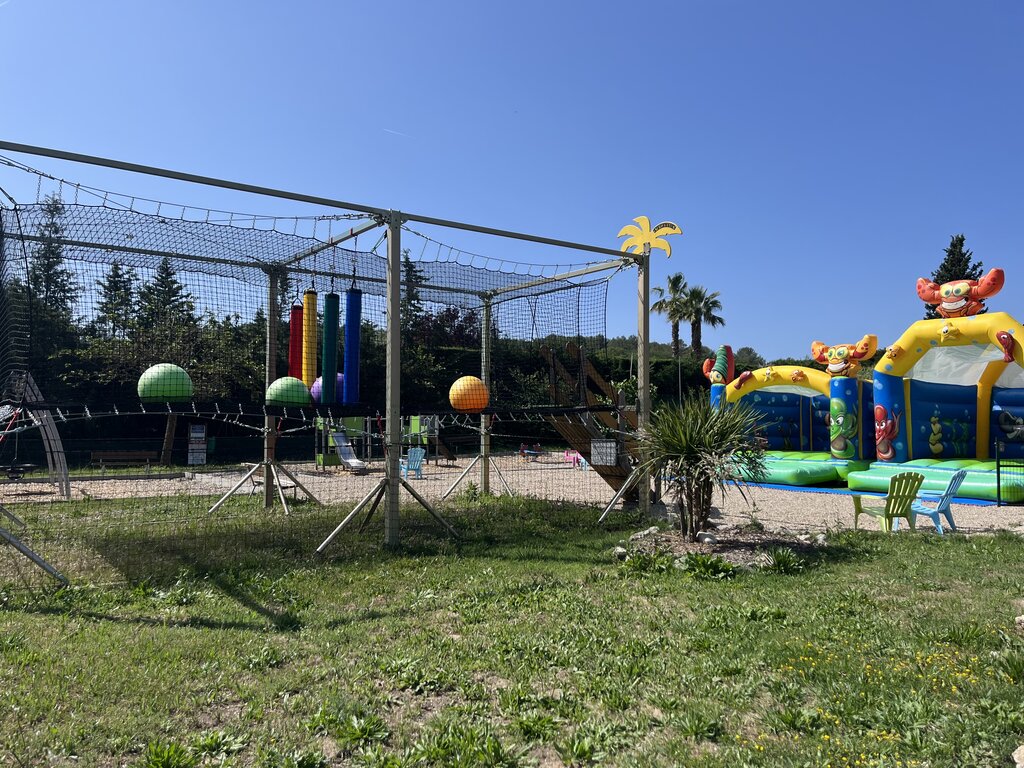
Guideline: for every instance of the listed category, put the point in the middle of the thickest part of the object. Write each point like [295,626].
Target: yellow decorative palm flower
[637,237]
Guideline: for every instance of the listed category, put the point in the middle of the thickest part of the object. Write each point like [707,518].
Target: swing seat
[18,471]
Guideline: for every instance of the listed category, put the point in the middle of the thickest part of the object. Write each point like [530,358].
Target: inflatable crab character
[844,359]
[960,298]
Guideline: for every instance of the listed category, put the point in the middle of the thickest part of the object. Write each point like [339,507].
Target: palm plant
[700,448]
[699,310]
[672,303]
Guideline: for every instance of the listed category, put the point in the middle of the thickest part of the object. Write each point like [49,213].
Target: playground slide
[346,455]
[441,447]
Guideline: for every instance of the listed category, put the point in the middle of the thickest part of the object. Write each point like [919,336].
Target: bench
[103,459]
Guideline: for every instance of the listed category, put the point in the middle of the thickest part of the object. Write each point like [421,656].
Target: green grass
[525,643]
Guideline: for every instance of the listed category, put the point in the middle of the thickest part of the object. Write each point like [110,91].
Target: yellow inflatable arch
[779,378]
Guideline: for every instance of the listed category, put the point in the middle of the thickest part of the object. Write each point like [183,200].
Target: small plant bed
[745,546]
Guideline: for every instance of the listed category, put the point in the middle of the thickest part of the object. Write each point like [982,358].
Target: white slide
[346,455]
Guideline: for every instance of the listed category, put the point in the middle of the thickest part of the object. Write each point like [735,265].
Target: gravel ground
[794,511]
[550,477]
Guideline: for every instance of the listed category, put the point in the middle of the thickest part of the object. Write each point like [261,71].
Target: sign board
[196,444]
[604,453]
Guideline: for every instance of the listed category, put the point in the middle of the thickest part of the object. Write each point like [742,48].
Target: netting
[101,293]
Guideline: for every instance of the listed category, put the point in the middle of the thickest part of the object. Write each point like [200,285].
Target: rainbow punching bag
[329,364]
[309,338]
[295,342]
[353,319]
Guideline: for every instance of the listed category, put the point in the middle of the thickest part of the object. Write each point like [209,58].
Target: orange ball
[468,395]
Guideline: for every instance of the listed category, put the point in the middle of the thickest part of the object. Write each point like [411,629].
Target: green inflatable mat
[980,482]
[806,468]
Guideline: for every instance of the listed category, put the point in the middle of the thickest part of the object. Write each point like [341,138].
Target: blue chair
[941,509]
[412,462]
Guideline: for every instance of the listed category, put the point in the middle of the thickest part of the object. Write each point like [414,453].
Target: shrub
[699,448]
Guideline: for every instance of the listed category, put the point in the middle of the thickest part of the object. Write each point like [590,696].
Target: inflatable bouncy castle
[948,391]
[811,421]
[943,397]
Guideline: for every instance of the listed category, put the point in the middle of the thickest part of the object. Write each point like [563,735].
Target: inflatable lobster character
[722,367]
[960,298]
[844,359]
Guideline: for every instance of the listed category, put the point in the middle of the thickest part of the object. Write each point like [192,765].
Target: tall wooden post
[643,366]
[393,413]
[270,370]
[485,376]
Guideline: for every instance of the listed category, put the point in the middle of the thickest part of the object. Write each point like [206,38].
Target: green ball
[288,391]
[165,383]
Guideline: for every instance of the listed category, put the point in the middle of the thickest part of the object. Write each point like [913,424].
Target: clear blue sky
[818,155]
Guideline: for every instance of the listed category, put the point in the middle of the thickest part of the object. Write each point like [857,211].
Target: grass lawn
[525,643]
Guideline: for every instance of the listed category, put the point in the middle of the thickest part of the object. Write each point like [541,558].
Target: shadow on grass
[238,552]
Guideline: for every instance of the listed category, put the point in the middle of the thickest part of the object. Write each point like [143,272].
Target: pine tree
[167,329]
[411,306]
[165,300]
[51,299]
[116,308]
[957,265]
[52,284]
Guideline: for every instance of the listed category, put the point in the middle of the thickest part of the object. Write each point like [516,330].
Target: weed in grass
[579,750]
[378,757]
[159,754]
[799,719]
[708,567]
[412,674]
[266,657]
[535,725]
[1011,664]
[217,745]
[765,615]
[361,730]
[699,726]
[462,744]
[961,635]
[646,563]
[783,561]
[304,759]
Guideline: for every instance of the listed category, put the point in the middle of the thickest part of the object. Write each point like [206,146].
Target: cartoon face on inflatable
[842,427]
[844,359]
[886,429]
[721,368]
[960,298]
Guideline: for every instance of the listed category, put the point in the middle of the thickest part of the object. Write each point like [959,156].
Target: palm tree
[699,310]
[672,303]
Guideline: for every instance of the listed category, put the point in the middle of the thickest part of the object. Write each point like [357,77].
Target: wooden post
[393,413]
[643,367]
[270,374]
[485,376]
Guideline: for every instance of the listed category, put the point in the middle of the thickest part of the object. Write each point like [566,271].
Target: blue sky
[818,155]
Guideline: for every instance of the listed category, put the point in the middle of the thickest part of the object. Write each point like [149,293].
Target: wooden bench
[103,459]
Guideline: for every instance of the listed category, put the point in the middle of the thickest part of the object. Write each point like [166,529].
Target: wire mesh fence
[109,480]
